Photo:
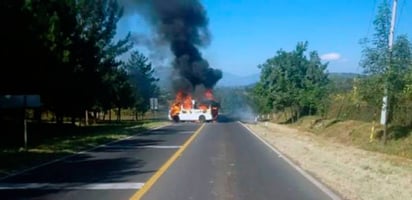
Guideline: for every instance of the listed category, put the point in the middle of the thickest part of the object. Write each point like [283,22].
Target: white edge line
[77,153]
[145,147]
[320,185]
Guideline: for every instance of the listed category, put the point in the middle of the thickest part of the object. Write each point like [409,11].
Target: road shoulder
[352,172]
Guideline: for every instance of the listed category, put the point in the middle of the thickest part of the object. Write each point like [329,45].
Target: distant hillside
[335,75]
[228,79]
[342,82]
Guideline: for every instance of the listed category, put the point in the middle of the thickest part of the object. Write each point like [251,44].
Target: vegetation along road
[108,99]
[180,161]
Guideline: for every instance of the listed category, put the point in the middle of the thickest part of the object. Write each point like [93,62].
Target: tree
[292,80]
[141,76]
[123,91]
[261,99]
[375,51]
[97,66]
[24,46]
[63,50]
[385,69]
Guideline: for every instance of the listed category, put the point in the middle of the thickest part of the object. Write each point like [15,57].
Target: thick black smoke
[184,25]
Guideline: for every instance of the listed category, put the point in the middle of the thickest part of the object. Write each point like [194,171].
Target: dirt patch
[352,172]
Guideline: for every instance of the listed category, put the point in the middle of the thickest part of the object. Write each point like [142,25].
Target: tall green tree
[375,51]
[97,52]
[384,68]
[261,98]
[63,50]
[141,76]
[293,80]
[375,58]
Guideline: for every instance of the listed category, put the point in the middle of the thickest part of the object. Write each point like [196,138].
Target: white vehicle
[194,114]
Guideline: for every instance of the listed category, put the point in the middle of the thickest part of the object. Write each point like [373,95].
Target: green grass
[49,142]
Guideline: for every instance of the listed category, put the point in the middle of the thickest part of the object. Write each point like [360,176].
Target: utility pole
[385,100]
[25,121]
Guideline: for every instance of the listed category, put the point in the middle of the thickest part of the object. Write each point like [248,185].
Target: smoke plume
[183,24]
[156,48]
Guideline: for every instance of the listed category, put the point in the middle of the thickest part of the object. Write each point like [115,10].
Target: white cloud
[331,57]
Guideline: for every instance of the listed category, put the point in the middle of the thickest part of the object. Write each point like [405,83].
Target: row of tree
[298,81]
[66,51]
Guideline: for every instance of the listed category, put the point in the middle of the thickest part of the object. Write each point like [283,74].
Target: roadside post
[21,103]
[25,120]
[154,106]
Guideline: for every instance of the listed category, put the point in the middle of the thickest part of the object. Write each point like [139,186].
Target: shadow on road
[118,162]
[77,172]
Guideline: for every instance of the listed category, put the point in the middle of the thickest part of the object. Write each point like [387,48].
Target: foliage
[375,51]
[65,51]
[342,82]
[141,77]
[386,68]
[292,80]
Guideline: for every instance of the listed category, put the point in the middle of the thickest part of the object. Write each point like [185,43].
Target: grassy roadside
[58,142]
[358,133]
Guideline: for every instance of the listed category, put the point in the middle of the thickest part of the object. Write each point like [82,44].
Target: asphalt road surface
[115,171]
[224,161]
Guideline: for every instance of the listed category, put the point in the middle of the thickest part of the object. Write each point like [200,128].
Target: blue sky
[247,32]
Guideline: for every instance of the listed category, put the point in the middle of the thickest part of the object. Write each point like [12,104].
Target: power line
[371,18]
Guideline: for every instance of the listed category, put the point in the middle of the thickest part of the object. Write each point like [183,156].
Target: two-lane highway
[227,162]
[221,161]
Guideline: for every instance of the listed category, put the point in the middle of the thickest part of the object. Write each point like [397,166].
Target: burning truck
[183,26]
[186,108]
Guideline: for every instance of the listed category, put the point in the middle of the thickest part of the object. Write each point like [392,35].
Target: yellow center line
[152,180]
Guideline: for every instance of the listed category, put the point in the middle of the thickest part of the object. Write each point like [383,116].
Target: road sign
[154,105]
[19,101]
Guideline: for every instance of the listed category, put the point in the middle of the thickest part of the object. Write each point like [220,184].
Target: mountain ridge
[228,79]
[233,80]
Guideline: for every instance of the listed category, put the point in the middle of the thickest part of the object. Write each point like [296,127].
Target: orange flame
[187,102]
[209,94]
[184,101]
[175,109]
[203,107]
